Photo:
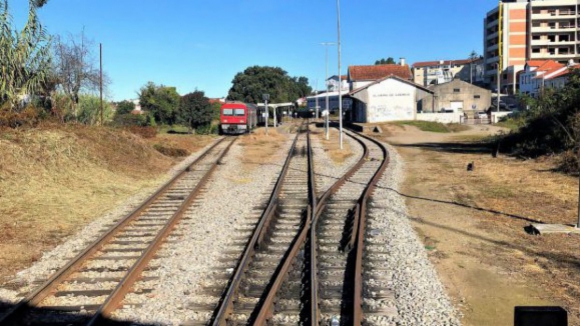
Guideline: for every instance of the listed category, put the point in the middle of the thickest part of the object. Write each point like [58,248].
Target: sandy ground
[472,224]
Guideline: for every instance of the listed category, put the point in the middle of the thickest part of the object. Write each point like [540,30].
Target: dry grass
[259,147]
[481,216]
[332,146]
[55,179]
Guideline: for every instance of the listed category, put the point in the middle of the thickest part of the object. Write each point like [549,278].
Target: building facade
[388,99]
[542,74]
[456,96]
[439,72]
[521,30]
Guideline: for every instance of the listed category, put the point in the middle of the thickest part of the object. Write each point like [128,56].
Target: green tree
[161,101]
[90,109]
[195,110]
[252,83]
[387,61]
[125,107]
[24,56]
[215,109]
[74,67]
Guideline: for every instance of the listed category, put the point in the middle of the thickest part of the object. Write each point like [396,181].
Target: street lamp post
[266,97]
[497,90]
[316,107]
[339,77]
[326,131]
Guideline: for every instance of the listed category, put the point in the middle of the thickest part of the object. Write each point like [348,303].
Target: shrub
[209,129]
[123,120]
[27,117]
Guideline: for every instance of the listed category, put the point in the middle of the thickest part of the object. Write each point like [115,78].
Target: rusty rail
[309,228]
[226,307]
[134,273]
[360,221]
[34,298]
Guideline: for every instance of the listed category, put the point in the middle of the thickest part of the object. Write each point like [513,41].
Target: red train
[239,118]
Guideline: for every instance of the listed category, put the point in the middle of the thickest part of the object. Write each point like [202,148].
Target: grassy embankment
[55,179]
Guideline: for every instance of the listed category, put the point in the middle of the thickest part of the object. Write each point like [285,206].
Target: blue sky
[203,43]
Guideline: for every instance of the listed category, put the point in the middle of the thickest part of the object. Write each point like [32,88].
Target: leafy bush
[550,126]
[123,120]
[209,129]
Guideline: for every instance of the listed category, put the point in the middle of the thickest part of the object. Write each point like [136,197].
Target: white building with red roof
[540,74]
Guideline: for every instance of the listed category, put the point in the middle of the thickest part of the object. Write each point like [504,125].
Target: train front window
[228,112]
[239,112]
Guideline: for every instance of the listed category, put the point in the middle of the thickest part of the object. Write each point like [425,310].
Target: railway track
[311,265]
[90,287]
[284,222]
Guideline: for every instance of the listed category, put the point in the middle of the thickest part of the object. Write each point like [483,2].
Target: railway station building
[391,98]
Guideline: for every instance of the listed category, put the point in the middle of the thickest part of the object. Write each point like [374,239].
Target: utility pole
[266,97]
[101,79]
[327,118]
[274,109]
[339,78]
[316,99]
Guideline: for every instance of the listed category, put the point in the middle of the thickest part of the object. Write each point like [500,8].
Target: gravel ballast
[223,214]
[420,297]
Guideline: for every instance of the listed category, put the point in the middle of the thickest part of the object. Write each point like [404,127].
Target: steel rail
[309,228]
[360,219]
[134,273]
[226,307]
[266,309]
[34,298]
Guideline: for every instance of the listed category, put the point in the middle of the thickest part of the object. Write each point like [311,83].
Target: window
[476,96]
[456,90]
[228,112]
[239,112]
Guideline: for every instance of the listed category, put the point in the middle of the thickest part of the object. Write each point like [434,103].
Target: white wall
[391,100]
[454,117]
[496,116]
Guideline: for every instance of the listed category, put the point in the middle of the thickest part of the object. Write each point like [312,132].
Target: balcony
[551,43]
[548,56]
[492,47]
[492,36]
[553,29]
[492,24]
[492,60]
[564,15]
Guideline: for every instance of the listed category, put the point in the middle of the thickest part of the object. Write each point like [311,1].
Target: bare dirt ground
[472,224]
[55,180]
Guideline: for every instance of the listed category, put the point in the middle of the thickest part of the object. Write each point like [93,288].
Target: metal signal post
[326,44]
[266,97]
[339,78]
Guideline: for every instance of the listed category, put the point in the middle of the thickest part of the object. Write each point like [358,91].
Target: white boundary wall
[495,116]
[454,117]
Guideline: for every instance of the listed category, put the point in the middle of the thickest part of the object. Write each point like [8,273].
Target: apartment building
[520,30]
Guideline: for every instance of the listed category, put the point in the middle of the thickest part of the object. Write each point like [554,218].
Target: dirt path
[472,224]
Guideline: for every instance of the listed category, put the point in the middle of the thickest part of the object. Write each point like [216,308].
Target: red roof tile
[379,71]
[535,63]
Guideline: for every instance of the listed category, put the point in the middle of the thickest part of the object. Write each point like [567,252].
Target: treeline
[56,77]
[551,126]
[250,85]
